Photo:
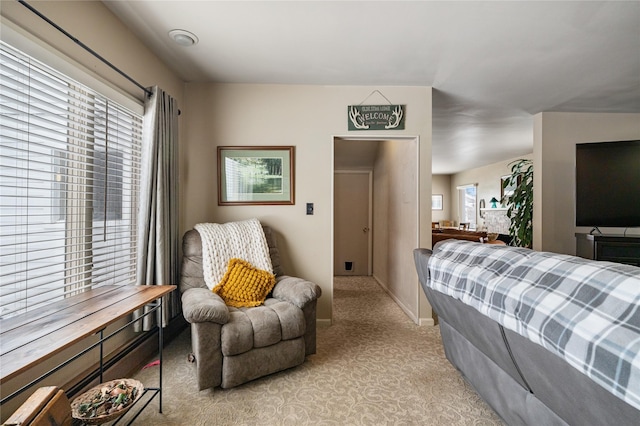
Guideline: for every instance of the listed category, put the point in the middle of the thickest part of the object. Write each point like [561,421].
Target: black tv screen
[608,184]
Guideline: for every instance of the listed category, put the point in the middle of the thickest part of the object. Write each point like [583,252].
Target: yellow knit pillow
[243,285]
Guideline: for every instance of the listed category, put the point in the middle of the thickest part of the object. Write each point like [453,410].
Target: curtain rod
[85,47]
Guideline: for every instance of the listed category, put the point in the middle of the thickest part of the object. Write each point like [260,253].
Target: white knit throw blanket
[222,242]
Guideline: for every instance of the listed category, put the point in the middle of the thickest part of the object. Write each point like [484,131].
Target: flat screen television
[608,184]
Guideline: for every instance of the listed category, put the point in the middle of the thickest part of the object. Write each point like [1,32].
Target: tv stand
[612,248]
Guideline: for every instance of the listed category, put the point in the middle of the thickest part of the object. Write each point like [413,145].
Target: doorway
[394,211]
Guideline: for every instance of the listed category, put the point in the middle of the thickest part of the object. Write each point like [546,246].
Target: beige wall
[308,117]
[555,137]
[395,222]
[93,24]
[441,184]
[488,180]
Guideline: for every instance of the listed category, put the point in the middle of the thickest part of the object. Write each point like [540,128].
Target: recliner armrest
[297,291]
[203,305]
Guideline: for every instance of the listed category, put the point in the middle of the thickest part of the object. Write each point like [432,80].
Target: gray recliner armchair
[235,345]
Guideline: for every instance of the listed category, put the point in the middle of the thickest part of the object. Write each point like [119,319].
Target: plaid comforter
[584,311]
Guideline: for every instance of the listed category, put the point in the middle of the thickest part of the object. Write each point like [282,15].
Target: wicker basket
[88,396]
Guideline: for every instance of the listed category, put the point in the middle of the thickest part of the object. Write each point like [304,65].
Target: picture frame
[256,175]
[508,191]
[436,202]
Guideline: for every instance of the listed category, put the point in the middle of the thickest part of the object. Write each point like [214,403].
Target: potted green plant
[519,202]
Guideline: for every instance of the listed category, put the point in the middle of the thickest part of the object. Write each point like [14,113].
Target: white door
[352,223]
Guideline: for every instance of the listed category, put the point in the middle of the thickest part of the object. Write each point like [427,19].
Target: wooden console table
[35,337]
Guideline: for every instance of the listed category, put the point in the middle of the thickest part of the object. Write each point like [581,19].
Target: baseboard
[324,322]
[406,310]
[427,322]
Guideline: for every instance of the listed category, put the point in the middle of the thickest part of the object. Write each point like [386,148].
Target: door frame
[419,302]
[369,173]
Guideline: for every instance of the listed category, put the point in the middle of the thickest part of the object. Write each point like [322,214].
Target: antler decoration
[395,118]
[356,119]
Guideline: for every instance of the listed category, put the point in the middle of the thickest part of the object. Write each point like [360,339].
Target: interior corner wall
[555,137]
[96,26]
[309,118]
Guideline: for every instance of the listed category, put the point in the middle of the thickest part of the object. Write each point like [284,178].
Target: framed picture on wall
[508,190]
[436,202]
[256,175]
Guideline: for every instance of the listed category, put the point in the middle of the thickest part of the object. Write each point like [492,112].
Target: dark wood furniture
[34,338]
[612,248]
[456,234]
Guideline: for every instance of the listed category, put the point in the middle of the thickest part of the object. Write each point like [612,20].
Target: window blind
[69,186]
[467,196]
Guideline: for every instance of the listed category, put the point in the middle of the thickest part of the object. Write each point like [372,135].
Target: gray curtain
[157,260]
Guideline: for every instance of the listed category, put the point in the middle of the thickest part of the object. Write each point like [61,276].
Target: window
[108,174]
[253,175]
[467,195]
[69,167]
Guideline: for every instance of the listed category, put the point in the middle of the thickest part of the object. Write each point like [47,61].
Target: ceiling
[493,65]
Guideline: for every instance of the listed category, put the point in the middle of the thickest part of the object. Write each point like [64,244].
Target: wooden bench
[33,338]
[47,406]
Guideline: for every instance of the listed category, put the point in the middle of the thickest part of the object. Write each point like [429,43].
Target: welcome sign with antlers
[376,117]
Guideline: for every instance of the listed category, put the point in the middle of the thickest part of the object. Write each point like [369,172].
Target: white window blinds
[69,186]
[467,204]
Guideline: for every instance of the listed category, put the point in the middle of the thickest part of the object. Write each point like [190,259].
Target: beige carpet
[374,366]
